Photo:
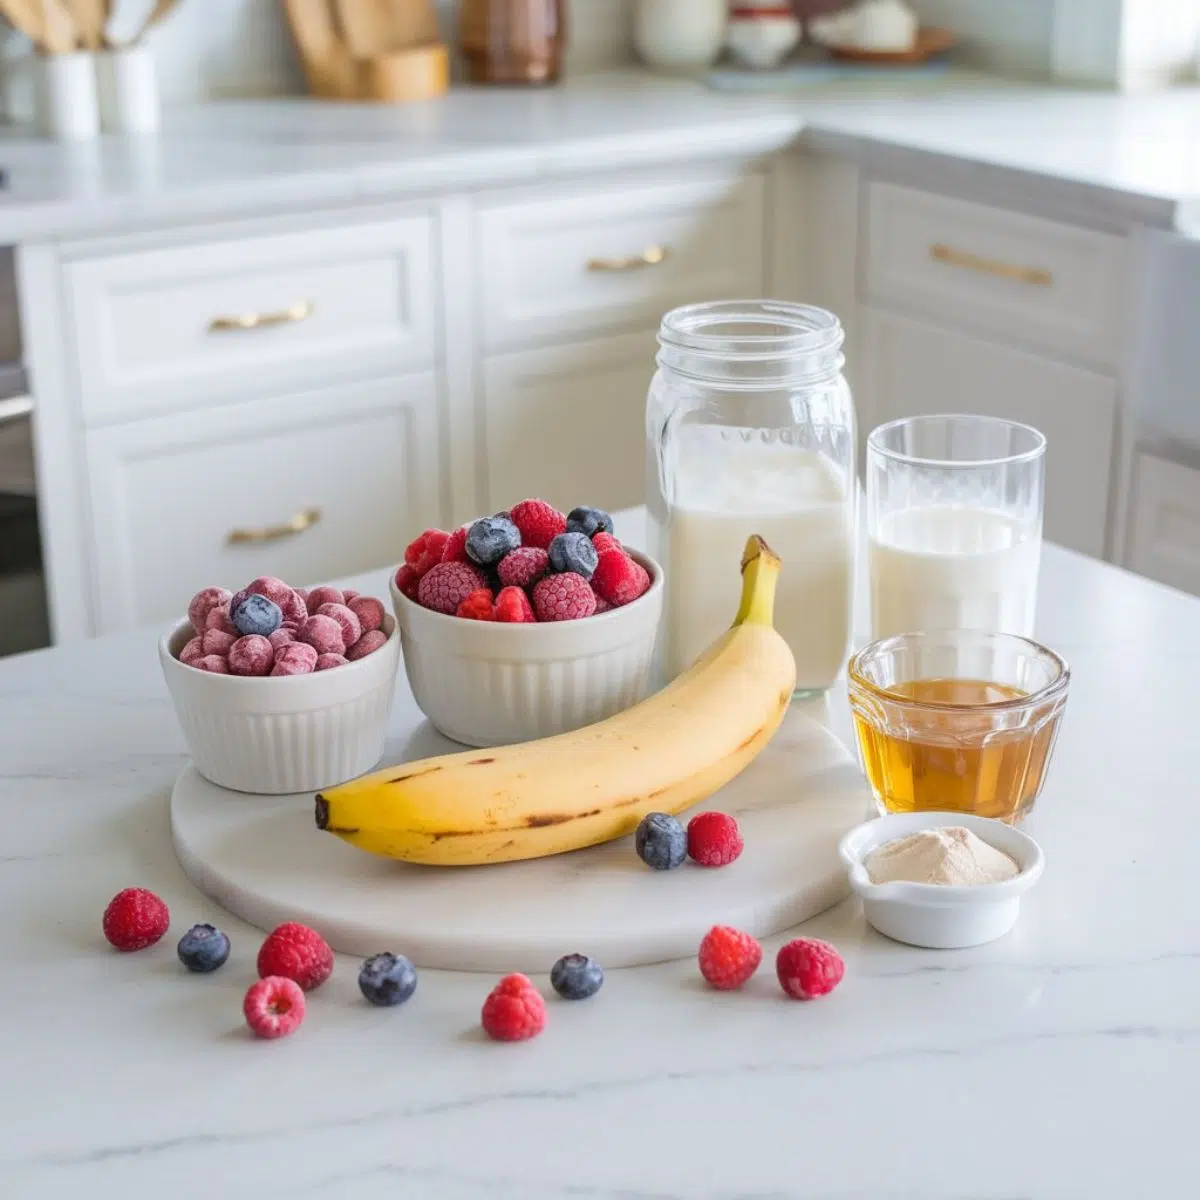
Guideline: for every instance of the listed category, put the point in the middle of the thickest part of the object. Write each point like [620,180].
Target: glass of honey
[957,721]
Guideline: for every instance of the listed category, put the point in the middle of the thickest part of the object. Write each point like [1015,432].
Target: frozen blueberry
[573,552]
[387,979]
[576,977]
[490,538]
[589,521]
[203,948]
[257,614]
[661,841]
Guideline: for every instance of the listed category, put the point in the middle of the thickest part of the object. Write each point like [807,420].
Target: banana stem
[760,571]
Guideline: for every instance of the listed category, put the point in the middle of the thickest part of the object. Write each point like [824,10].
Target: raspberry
[514,1010]
[274,1007]
[538,522]
[447,585]
[203,602]
[323,595]
[477,606]
[455,549]
[217,664]
[351,629]
[563,598]
[618,579]
[323,634]
[367,644]
[605,541]
[296,658]
[512,605]
[135,919]
[602,605]
[407,581]
[523,567]
[808,967]
[728,957]
[296,952]
[713,839]
[369,612]
[326,662]
[251,655]
[192,650]
[426,551]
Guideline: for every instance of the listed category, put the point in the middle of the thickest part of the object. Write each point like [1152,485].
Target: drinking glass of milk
[954,522]
[750,430]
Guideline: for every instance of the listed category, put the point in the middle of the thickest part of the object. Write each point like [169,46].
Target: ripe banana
[594,784]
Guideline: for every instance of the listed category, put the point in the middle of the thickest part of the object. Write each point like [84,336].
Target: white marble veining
[1059,1062]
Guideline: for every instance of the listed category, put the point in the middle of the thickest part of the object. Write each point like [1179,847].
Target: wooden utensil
[161,10]
[412,23]
[26,16]
[330,70]
[365,25]
[90,18]
[418,73]
[59,35]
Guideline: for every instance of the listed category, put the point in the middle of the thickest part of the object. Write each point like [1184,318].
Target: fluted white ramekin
[486,683]
[273,735]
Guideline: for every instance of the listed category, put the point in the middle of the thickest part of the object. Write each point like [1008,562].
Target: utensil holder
[65,96]
[128,89]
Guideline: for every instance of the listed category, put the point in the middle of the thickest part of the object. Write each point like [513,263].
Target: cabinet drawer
[1165,523]
[167,493]
[164,329]
[616,257]
[913,369]
[1003,272]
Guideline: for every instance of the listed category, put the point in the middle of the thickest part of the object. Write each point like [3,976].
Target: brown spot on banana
[414,775]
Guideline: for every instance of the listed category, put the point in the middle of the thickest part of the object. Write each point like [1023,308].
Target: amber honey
[971,753]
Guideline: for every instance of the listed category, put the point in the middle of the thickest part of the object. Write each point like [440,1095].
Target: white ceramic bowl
[937,915]
[485,683]
[763,41]
[273,735]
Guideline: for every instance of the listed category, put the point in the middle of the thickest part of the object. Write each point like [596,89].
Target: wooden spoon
[328,67]
[161,9]
[59,35]
[90,17]
[365,26]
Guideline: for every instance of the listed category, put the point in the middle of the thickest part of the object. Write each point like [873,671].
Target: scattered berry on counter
[513,607]
[573,552]
[514,1010]
[576,977]
[326,662]
[563,598]
[323,634]
[387,979]
[660,841]
[618,579]
[367,644]
[369,612]
[251,655]
[351,629]
[713,839]
[274,1007]
[728,957]
[589,521]
[135,918]
[323,595]
[192,650]
[447,585]
[218,618]
[808,968]
[203,948]
[606,541]
[256,614]
[296,658]
[216,664]
[478,606]
[538,522]
[426,551]
[490,538]
[523,567]
[296,952]
[280,638]
[456,546]
[407,581]
[203,602]
[217,641]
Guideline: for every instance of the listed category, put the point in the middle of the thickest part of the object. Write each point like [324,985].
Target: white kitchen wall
[1015,36]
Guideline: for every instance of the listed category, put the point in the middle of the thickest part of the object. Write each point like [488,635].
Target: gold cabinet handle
[285,316]
[274,533]
[1035,276]
[652,256]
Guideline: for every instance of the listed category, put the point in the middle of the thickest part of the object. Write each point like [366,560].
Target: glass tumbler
[954,522]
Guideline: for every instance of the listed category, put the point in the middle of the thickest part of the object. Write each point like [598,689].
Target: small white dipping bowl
[276,734]
[932,914]
[489,683]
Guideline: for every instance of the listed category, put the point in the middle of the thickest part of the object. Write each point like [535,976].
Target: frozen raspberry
[563,598]
[192,650]
[367,644]
[326,662]
[538,523]
[618,579]
[728,957]
[426,551]
[303,594]
[217,641]
[407,581]
[447,585]
[203,602]
[296,952]
[215,663]
[369,612]
[323,633]
[251,655]
[275,590]
[218,618]
[512,605]
[351,629]
[290,627]
[274,1007]
[135,919]
[514,1010]
[280,638]
[602,605]
[296,658]
[523,567]
[713,839]
[605,541]
[324,595]
[348,595]
[477,606]
[808,968]
[455,549]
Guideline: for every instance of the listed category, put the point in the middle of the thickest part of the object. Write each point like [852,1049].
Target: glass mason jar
[750,429]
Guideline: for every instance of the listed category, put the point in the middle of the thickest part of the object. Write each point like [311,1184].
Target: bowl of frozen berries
[282,690]
[525,624]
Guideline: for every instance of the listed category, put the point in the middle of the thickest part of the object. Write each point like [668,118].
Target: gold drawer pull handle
[286,316]
[1035,276]
[652,256]
[274,533]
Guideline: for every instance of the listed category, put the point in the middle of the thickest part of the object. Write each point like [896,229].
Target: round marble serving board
[263,858]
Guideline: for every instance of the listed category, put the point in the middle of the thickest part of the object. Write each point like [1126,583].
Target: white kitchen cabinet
[178,503]
[1164,524]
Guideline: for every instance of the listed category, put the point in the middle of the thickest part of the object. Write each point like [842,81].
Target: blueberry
[490,538]
[203,948]
[573,552]
[576,977]
[589,521]
[661,841]
[257,614]
[387,979]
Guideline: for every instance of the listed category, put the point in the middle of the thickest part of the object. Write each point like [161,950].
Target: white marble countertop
[1059,1062]
[1127,158]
